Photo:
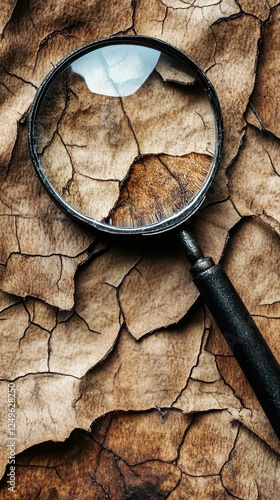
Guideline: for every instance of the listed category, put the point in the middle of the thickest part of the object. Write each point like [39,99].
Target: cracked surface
[110,461]
[122,340]
[95,148]
[265,98]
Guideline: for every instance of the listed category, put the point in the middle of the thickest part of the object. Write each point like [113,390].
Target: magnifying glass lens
[126,135]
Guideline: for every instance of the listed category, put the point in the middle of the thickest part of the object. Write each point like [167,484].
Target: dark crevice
[237,223]
[17,13]
[209,382]
[60,272]
[133,465]
[7,88]
[31,18]
[13,75]
[86,323]
[133,14]
[122,476]
[255,112]
[49,351]
[182,441]
[194,476]
[59,121]
[122,319]
[18,300]
[265,315]
[175,486]
[209,203]
[202,342]
[93,251]
[71,180]
[271,163]
[250,14]
[16,234]
[165,16]
[99,485]
[44,43]
[130,126]
[228,461]
[49,342]
[38,374]
[243,406]
[182,188]
[230,166]
[86,176]
[237,15]
[44,256]
[57,473]
[23,335]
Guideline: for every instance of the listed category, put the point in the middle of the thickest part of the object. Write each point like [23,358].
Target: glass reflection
[116,70]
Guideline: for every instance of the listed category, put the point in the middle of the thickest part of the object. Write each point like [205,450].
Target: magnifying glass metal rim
[176,218]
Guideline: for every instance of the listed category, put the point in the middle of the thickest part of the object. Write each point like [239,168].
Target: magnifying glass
[125,134]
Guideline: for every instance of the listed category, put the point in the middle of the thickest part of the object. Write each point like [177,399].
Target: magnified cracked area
[94,147]
[124,387]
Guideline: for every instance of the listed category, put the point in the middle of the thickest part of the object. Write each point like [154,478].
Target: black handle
[239,329]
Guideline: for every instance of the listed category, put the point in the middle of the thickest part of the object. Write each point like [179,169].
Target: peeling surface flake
[265,97]
[163,287]
[137,375]
[251,485]
[263,176]
[204,463]
[246,264]
[259,9]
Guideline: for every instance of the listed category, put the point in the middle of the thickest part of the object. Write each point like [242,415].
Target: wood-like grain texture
[106,342]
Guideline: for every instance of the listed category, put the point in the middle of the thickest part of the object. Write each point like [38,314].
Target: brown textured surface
[123,340]
[112,462]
